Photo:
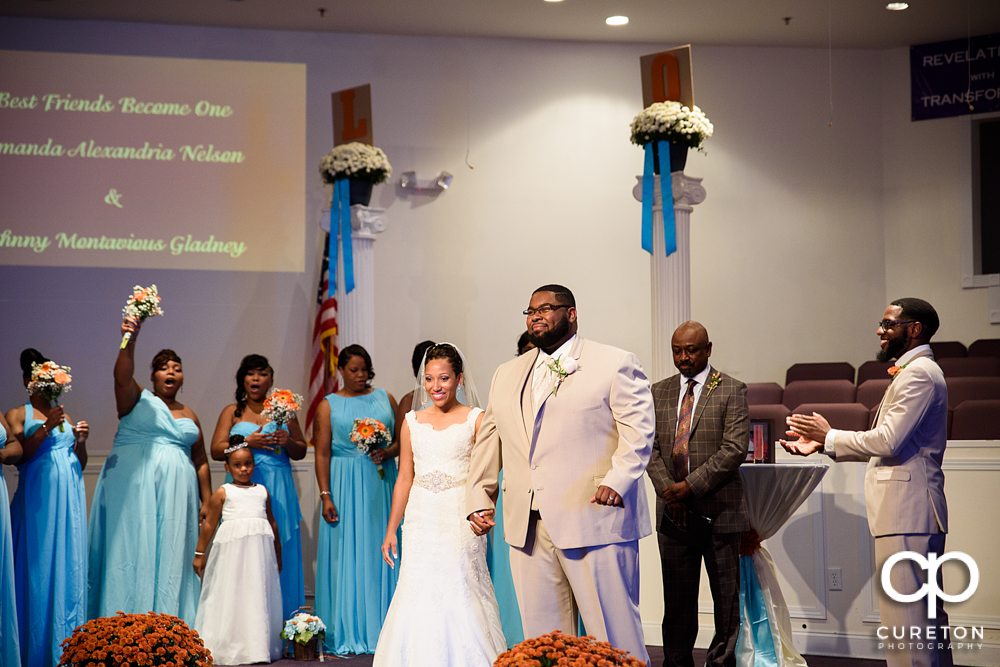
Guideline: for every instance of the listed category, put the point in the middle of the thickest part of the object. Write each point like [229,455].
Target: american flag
[323,375]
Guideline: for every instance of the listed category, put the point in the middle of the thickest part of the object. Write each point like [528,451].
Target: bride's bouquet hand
[389,551]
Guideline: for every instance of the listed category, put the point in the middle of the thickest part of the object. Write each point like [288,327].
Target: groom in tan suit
[904,484]
[571,423]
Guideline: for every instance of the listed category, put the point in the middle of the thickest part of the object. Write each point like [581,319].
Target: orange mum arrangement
[135,640]
[561,649]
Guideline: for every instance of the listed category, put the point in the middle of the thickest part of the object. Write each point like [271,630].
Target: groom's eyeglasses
[543,309]
[885,325]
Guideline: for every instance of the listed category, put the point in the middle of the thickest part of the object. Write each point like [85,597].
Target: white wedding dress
[444,611]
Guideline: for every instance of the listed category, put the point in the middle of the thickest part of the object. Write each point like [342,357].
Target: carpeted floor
[655,657]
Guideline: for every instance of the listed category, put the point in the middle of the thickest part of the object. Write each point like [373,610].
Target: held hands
[389,551]
[677,493]
[482,522]
[608,497]
[811,432]
[329,512]
[81,431]
[258,440]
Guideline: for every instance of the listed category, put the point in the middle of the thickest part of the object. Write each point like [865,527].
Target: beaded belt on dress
[436,482]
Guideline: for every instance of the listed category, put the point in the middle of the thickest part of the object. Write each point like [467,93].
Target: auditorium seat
[949,349]
[986,347]
[818,391]
[844,416]
[970,366]
[839,370]
[873,370]
[976,420]
[870,392]
[963,389]
[763,393]
[776,412]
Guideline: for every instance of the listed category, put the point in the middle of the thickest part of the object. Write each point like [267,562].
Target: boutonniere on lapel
[713,382]
[894,370]
[563,368]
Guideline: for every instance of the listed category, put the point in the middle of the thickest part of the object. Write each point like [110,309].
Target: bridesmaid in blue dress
[149,498]
[353,584]
[48,517]
[10,652]
[272,449]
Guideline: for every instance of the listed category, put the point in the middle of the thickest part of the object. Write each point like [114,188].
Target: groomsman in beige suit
[571,424]
[904,484]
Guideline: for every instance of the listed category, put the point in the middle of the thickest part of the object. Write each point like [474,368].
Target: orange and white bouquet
[49,380]
[369,434]
[281,406]
[143,304]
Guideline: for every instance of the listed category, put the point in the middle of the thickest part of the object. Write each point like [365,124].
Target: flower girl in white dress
[239,614]
[444,611]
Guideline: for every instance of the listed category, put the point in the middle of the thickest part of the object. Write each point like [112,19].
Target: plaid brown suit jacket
[720,438]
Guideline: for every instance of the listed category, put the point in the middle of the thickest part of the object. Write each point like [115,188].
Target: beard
[893,349]
[552,336]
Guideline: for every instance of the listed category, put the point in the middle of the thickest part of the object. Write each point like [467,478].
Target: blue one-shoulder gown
[144,518]
[10,652]
[48,516]
[353,584]
[274,473]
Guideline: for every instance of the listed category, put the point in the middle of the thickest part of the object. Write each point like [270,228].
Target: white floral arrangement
[674,122]
[302,627]
[355,160]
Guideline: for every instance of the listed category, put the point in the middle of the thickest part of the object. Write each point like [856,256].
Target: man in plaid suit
[702,437]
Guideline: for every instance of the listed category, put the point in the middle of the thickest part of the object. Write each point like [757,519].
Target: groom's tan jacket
[597,429]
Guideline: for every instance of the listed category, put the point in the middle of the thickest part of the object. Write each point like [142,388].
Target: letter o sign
[932,564]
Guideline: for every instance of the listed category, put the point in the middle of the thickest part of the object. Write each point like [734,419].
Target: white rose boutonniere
[563,368]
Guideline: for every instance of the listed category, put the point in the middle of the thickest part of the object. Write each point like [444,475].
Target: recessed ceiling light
[896,6]
[616,20]
[553,0]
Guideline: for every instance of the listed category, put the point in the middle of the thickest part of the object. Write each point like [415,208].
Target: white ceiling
[848,23]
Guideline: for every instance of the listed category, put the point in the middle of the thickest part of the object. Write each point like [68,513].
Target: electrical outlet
[834,580]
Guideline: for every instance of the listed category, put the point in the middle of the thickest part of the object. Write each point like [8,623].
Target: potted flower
[556,648]
[365,166]
[135,639]
[671,121]
[306,632]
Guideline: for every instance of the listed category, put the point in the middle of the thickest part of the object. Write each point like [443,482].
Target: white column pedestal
[670,276]
[356,311]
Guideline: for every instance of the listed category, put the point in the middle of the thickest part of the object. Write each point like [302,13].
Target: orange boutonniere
[713,382]
[893,370]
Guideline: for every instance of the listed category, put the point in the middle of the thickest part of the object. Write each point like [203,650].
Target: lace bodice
[441,458]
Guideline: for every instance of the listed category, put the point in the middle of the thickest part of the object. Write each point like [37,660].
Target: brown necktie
[680,451]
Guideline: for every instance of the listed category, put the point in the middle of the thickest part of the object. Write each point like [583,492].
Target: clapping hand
[811,432]
[482,521]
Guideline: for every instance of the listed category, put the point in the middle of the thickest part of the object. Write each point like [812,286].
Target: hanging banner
[955,78]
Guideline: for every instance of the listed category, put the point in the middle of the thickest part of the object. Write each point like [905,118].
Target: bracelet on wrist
[324,493]
[199,553]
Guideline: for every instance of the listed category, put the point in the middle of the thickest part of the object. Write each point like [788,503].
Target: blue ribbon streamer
[754,607]
[666,195]
[340,218]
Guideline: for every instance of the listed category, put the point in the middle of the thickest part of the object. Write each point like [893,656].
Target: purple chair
[844,416]
[818,391]
[949,349]
[873,370]
[763,393]
[986,347]
[970,366]
[963,389]
[870,392]
[840,370]
[976,420]
[776,412]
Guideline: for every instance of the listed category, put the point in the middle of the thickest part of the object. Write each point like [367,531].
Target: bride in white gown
[444,611]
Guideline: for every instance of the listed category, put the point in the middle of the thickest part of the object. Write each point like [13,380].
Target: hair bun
[28,357]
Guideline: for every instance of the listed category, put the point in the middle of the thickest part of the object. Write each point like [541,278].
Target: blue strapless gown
[48,518]
[353,584]
[144,518]
[274,473]
[498,559]
[10,652]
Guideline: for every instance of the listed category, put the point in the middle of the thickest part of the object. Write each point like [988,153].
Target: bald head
[691,348]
